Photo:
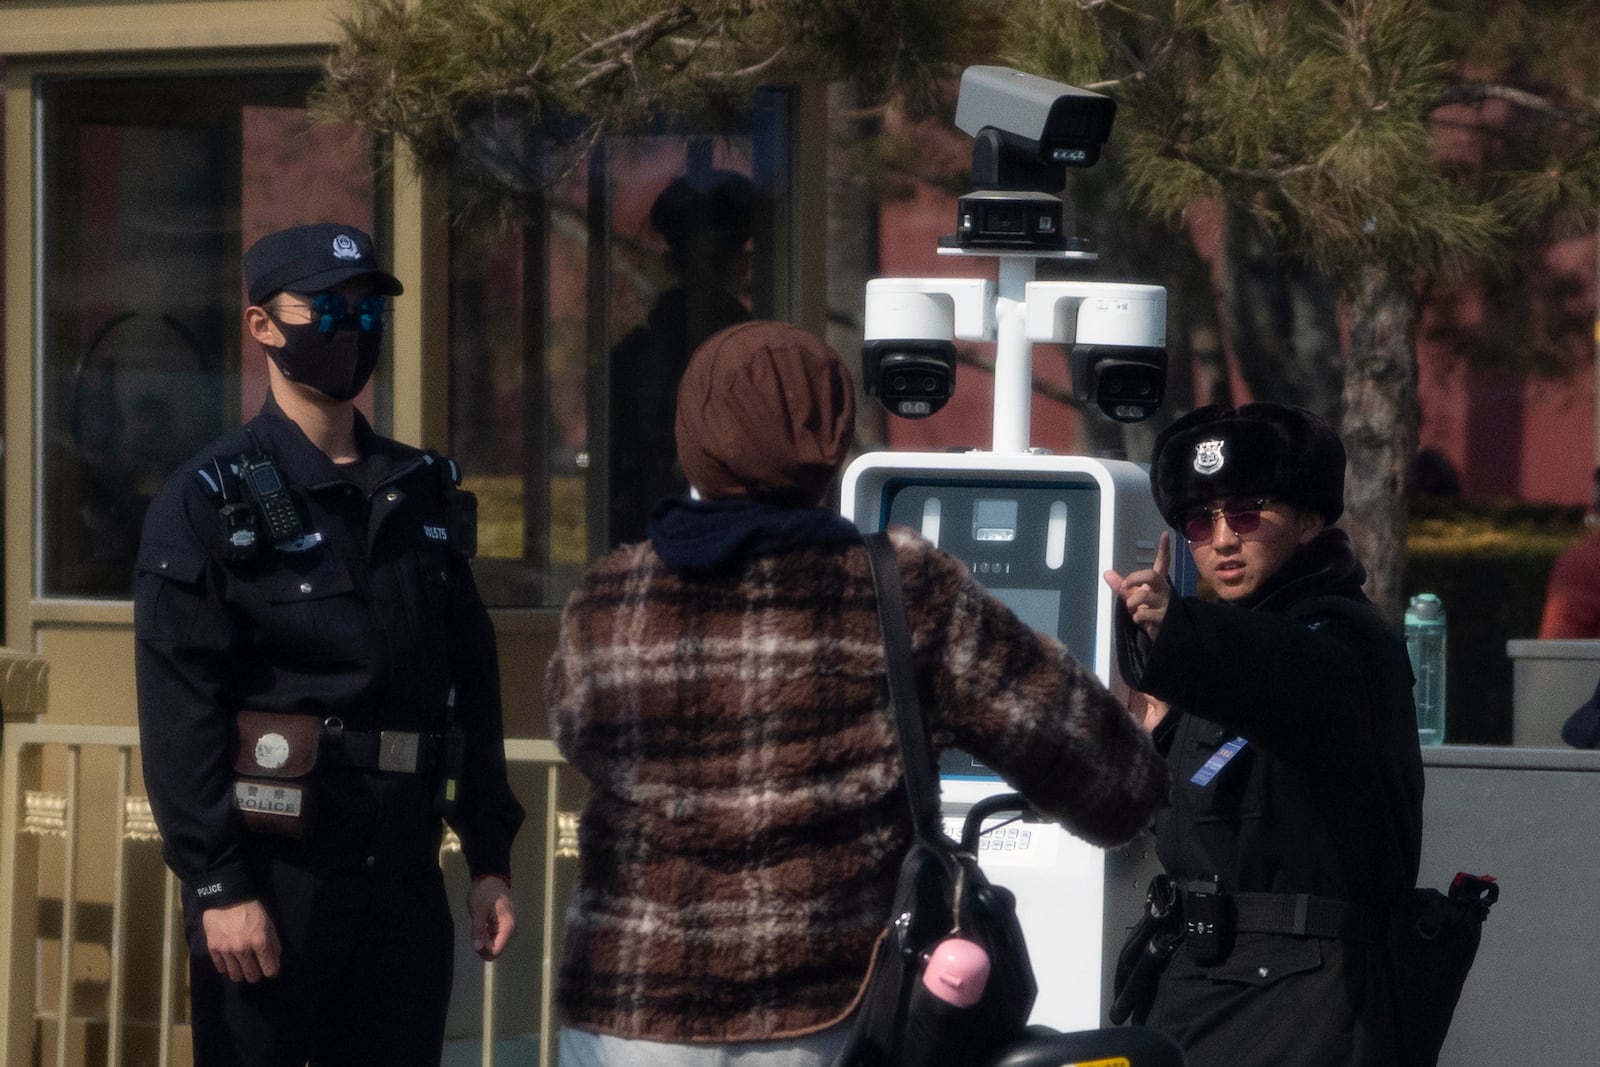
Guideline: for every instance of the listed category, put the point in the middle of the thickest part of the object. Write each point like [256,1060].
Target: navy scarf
[700,538]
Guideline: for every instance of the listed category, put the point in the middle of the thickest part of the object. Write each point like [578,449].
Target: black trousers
[365,976]
[1280,1001]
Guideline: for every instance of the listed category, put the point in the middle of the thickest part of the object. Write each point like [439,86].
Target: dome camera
[1125,384]
[913,379]
[908,352]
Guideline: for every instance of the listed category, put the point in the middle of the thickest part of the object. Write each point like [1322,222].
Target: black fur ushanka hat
[1264,449]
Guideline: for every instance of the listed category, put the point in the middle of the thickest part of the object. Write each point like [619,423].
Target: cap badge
[1208,456]
[344,247]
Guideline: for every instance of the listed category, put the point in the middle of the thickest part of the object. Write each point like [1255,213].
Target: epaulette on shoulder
[461,506]
[448,469]
[220,479]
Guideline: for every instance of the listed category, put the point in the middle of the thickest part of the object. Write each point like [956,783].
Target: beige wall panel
[82,26]
[525,641]
[18,338]
[91,674]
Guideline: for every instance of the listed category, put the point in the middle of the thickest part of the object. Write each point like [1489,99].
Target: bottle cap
[1426,607]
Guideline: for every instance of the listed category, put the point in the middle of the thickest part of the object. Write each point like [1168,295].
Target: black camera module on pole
[1026,132]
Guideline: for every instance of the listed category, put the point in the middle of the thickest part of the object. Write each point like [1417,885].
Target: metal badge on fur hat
[1264,449]
[765,410]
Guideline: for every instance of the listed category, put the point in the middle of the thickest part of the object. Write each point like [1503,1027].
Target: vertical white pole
[1013,360]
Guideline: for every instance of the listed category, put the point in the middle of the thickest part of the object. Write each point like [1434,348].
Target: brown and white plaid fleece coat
[746,820]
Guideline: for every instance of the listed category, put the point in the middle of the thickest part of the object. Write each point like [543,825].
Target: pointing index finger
[1163,564]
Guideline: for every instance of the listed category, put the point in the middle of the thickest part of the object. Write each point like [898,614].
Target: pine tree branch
[1094,7]
[1138,70]
[630,43]
[1475,94]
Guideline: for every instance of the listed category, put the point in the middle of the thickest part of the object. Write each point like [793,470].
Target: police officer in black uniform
[1283,705]
[318,694]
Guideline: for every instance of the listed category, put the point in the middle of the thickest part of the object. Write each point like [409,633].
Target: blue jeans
[583,1048]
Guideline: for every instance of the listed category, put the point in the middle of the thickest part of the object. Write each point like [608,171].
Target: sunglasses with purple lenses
[1243,517]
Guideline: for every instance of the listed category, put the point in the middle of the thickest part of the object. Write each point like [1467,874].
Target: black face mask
[337,364]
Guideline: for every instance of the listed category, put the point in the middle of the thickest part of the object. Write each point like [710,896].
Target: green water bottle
[1425,641]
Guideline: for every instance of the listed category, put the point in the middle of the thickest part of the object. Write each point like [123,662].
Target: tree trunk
[1379,428]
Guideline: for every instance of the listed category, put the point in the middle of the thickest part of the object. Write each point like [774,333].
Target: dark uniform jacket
[1296,770]
[371,619]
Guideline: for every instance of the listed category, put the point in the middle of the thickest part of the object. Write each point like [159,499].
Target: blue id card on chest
[1219,759]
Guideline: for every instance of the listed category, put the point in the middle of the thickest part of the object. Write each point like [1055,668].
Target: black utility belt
[393,751]
[279,756]
[1211,916]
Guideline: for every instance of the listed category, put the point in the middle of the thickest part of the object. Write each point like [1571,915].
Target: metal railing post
[69,909]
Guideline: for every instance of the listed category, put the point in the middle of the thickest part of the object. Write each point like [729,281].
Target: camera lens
[1006,220]
[912,377]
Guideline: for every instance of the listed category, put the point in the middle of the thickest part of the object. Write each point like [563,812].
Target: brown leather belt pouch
[277,755]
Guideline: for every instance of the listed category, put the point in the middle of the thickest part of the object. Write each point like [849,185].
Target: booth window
[150,185]
[573,315]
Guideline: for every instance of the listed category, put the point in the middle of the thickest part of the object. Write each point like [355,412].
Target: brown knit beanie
[765,410]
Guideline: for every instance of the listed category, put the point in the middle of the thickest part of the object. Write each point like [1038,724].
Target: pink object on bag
[957,971]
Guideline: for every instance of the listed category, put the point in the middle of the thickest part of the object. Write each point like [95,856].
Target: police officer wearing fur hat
[318,694]
[1295,816]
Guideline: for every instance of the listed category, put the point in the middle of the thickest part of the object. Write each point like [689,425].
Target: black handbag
[1433,940]
[941,892]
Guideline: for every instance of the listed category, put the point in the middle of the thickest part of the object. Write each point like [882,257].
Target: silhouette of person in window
[706,221]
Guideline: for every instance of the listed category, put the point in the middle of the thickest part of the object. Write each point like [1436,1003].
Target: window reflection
[571,325]
[151,184]
[705,219]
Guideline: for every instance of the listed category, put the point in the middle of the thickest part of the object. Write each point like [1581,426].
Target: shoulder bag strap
[915,752]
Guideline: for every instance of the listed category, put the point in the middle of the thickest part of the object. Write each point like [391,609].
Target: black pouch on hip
[275,767]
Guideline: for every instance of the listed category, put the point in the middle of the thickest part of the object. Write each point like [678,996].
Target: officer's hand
[1146,593]
[494,920]
[1148,710]
[242,941]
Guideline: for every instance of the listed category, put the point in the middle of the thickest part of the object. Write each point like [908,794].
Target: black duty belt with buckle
[1212,917]
[1207,909]
[1304,915]
[395,751]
